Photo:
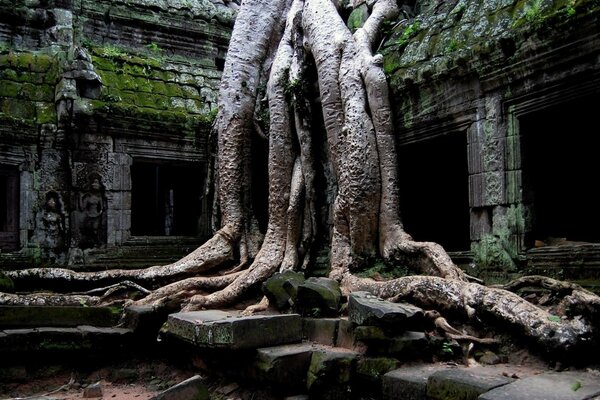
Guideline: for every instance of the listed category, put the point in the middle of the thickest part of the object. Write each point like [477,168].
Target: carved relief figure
[92,207]
[53,222]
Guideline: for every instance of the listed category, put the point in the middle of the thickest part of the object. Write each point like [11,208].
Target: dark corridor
[9,208]
[166,199]
[561,166]
[434,191]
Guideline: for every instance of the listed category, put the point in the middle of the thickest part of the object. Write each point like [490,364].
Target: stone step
[230,330]
[62,340]
[567,385]
[284,367]
[64,316]
[441,382]
[462,384]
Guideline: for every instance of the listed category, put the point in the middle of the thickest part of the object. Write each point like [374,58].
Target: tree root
[491,304]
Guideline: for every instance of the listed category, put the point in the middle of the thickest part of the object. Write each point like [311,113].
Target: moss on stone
[6,284]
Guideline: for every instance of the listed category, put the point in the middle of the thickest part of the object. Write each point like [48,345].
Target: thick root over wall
[276,42]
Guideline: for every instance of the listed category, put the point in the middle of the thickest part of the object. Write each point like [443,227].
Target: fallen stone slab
[407,383]
[367,309]
[567,385]
[220,329]
[462,384]
[192,388]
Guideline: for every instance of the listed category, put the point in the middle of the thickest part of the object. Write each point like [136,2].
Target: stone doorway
[166,199]
[434,190]
[561,166]
[9,208]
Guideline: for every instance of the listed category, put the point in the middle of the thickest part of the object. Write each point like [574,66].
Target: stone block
[370,370]
[320,330]
[366,309]
[318,297]
[65,316]
[330,373]
[409,345]
[568,385]
[462,384]
[476,190]
[282,287]
[214,328]
[345,335]
[407,383]
[193,388]
[514,186]
[284,367]
[92,391]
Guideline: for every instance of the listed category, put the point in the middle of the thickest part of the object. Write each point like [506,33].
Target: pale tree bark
[278,39]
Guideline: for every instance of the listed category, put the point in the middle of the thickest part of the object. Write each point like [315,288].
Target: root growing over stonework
[277,43]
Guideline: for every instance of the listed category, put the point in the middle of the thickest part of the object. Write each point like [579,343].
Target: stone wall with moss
[89,88]
[473,68]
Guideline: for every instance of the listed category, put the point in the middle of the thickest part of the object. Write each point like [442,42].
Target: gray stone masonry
[320,330]
[568,385]
[222,329]
[285,366]
[407,383]
[462,384]
[64,316]
[367,309]
[84,337]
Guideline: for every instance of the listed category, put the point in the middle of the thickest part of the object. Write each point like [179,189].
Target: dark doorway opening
[561,167]
[434,191]
[9,208]
[166,199]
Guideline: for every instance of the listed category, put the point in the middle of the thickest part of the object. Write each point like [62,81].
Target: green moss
[18,109]
[375,367]
[379,269]
[45,113]
[6,284]
[9,89]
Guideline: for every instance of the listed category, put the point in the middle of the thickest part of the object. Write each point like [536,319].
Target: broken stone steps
[438,382]
[230,330]
[63,316]
[62,341]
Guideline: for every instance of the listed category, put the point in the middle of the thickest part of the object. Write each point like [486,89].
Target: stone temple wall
[89,91]
[505,88]
[491,101]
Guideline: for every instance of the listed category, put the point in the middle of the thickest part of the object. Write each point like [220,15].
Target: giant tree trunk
[278,39]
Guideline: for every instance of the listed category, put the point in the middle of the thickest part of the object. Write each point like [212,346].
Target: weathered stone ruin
[107,108]
[106,160]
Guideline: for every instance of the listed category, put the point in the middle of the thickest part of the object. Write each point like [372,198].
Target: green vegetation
[6,284]
[533,12]
[408,33]
[27,82]
[379,270]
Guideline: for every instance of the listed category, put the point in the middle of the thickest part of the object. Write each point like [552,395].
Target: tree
[283,42]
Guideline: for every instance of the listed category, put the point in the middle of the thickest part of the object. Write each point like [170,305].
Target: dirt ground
[124,381]
[139,380]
